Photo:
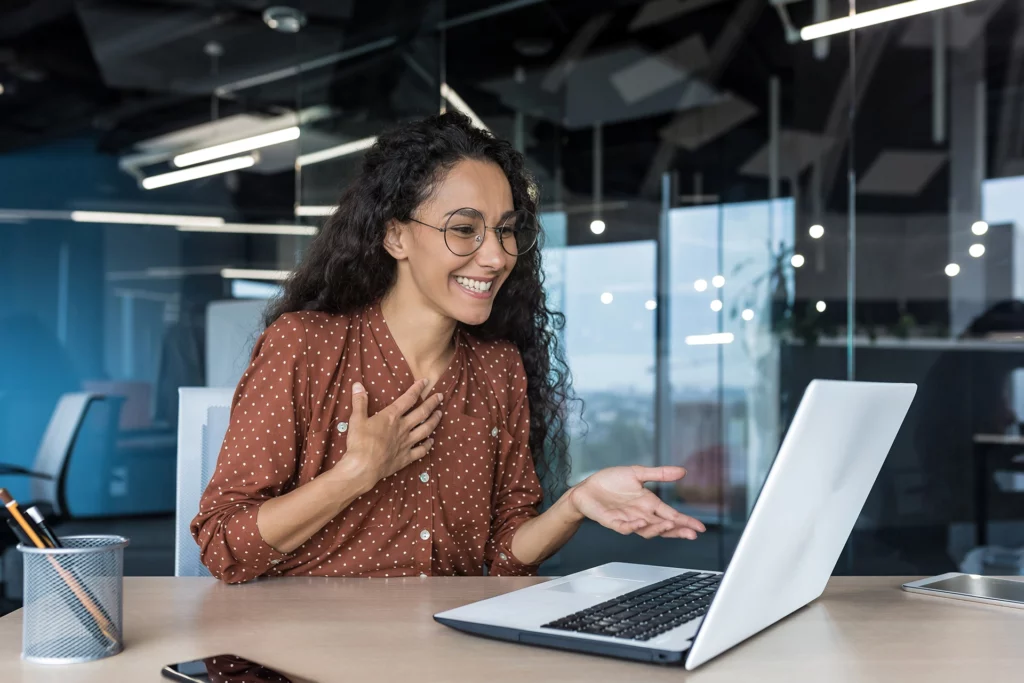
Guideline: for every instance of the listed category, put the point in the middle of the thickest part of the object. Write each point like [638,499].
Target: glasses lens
[464,232]
[519,233]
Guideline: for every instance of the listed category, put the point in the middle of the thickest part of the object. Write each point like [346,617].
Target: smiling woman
[408,396]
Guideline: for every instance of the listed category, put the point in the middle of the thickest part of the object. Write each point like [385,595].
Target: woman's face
[458,287]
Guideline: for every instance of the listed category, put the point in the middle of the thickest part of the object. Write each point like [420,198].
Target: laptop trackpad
[595,585]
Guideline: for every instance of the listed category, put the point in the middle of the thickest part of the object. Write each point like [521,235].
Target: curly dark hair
[346,267]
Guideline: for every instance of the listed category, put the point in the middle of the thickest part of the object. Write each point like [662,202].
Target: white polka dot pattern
[454,512]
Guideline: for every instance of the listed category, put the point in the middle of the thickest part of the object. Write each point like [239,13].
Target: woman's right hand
[386,443]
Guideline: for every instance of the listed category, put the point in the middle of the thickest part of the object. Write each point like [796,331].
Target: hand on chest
[463,442]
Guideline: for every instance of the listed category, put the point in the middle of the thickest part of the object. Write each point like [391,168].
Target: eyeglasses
[465,229]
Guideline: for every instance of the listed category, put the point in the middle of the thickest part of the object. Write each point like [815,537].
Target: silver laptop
[814,492]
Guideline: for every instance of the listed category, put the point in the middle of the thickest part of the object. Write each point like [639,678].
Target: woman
[386,422]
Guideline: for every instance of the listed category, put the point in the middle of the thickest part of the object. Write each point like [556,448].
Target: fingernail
[440,397]
[357,388]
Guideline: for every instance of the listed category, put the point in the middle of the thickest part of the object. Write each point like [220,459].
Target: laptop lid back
[811,498]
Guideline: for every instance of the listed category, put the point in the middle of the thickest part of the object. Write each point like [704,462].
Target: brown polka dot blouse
[453,512]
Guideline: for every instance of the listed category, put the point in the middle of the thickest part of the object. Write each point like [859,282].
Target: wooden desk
[369,630]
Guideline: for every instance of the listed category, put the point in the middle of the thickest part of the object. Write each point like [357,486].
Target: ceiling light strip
[705,339]
[23,215]
[460,104]
[254,274]
[186,174]
[228,149]
[314,210]
[144,218]
[251,229]
[877,16]
[335,152]
[184,223]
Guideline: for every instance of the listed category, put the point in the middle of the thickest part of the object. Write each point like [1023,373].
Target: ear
[394,240]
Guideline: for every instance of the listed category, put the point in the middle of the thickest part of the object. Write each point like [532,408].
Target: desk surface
[862,629]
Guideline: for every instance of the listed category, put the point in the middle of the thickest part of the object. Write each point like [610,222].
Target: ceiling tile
[900,172]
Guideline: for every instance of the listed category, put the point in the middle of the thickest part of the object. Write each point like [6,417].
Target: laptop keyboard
[648,612]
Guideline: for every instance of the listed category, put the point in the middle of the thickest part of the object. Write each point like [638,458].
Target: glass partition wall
[730,212]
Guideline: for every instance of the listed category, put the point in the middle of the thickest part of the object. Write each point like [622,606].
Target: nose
[491,254]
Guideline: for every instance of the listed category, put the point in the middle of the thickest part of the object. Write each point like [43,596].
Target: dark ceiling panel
[129,70]
[163,48]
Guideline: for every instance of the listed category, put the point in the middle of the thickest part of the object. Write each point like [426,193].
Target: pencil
[101,621]
[12,507]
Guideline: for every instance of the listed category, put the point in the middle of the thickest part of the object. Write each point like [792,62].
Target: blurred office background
[718,234]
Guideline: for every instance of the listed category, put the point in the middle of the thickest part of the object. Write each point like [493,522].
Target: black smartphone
[227,668]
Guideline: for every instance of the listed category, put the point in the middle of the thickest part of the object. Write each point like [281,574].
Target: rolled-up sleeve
[258,457]
[518,492]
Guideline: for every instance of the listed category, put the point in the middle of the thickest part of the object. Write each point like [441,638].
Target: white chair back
[203,415]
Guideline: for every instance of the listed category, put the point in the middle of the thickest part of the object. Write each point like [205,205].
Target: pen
[47,533]
[28,528]
[22,538]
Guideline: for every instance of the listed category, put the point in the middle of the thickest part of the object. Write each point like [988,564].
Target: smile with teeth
[474,285]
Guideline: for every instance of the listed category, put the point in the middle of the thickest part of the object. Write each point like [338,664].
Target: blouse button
[494,432]
[423,576]
[503,557]
[425,477]
[425,535]
[343,427]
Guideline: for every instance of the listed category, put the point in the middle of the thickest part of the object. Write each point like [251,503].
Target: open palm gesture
[615,497]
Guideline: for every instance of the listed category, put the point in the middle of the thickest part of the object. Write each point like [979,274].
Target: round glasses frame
[479,239]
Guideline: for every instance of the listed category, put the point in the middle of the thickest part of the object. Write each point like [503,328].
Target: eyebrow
[466,208]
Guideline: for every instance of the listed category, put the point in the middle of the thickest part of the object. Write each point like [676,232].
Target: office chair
[203,415]
[49,471]
[48,486]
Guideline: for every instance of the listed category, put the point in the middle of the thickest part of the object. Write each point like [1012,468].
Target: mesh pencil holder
[73,599]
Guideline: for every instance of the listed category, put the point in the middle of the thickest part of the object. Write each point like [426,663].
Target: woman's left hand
[616,498]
